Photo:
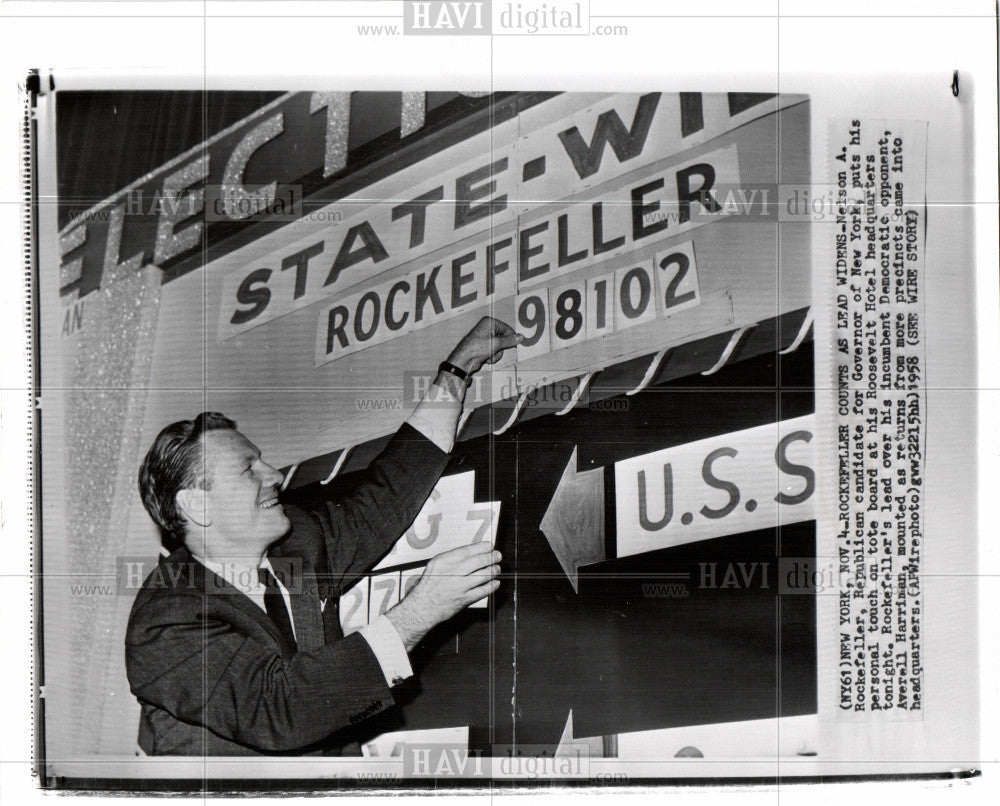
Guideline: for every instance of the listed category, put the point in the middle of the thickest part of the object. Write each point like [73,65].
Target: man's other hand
[451,581]
[483,344]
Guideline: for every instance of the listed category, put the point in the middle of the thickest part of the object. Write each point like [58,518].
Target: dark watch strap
[458,372]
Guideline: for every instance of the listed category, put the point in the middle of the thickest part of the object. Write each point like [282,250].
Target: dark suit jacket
[210,669]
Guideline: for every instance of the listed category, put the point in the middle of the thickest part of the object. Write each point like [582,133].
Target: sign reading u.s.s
[532,219]
[751,479]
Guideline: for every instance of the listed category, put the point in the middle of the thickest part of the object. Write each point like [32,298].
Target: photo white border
[202,41]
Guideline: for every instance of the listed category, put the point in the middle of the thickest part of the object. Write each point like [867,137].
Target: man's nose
[269,476]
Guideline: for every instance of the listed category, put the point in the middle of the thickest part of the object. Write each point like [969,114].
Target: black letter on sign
[597,220]
[345,257]
[685,195]
[526,252]
[418,209]
[713,481]
[300,260]
[458,280]
[626,143]
[246,294]
[668,501]
[467,191]
[427,290]
[492,267]
[335,322]
[359,314]
[794,470]
[640,208]
[565,258]
[392,322]
[692,115]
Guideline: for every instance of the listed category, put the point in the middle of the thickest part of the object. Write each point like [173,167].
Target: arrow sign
[572,747]
[738,482]
[574,521]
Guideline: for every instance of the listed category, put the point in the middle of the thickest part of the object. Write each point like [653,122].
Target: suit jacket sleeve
[203,667]
[363,523]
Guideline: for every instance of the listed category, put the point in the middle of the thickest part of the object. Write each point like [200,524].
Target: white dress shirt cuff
[436,417]
[389,650]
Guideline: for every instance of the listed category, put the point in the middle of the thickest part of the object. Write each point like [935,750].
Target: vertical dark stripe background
[106,140]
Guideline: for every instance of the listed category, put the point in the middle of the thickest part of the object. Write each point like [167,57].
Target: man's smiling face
[241,493]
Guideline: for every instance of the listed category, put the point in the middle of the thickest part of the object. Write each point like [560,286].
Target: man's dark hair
[171,465]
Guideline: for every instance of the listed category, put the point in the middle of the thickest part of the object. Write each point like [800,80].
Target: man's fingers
[478,592]
[500,345]
[465,559]
[486,342]
[504,335]
[464,552]
[501,328]
[476,563]
[483,575]
[501,334]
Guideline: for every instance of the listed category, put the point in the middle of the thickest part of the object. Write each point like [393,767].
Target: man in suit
[234,645]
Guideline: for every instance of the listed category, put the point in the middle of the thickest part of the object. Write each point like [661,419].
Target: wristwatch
[458,372]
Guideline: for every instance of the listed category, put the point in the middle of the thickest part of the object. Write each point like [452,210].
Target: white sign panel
[737,482]
[450,518]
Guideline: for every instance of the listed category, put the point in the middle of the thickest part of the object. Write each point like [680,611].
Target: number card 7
[384,594]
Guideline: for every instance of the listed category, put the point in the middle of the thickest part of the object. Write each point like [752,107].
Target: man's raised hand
[483,344]
[451,581]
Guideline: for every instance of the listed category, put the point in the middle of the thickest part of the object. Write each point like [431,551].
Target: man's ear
[193,506]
